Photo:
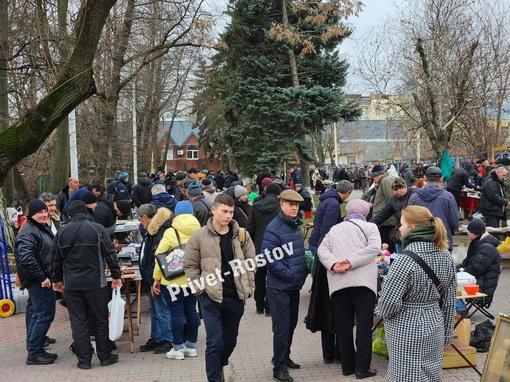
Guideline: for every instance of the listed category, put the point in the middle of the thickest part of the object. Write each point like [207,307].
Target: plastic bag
[482,335]
[379,344]
[116,315]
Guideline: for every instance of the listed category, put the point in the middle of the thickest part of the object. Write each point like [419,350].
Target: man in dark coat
[63,196]
[307,199]
[32,252]
[79,253]
[261,214]
[492,200]
[284,252]
[142,191]
[459,179]
[328,212]
[161,198]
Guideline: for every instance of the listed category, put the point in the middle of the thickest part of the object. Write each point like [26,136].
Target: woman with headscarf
[418,319]
[348,252]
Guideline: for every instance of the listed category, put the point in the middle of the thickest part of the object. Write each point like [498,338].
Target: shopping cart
[6,299]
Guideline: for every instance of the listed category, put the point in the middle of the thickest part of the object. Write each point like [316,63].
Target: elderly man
[492,200]
[63,196]
[284,251]
[161,198]
[51,203]
[32,252]
[440,202]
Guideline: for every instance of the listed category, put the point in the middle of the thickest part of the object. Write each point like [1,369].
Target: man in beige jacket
[220,266]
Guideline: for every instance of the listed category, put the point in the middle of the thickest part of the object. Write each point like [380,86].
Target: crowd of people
[245,240]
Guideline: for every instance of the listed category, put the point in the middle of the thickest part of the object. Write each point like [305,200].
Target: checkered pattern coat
[416,327]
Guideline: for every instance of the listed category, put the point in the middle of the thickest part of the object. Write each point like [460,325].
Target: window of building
[192,152]
[170,154]
[367,112]
[377,112]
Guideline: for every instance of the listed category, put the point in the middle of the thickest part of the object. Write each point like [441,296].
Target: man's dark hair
[224,199]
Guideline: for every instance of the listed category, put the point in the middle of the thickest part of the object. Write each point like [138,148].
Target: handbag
[439,286]
[171,263]
[116,315]
[395,235]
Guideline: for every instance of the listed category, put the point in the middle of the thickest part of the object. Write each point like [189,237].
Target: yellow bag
[379,344]
[462,332]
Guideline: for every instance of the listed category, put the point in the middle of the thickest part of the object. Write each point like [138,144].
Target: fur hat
[194,189]
[239,191]
[76,207]
[273,189]
[124,207]
[183,207]
[36,206]
[358,205]
[476,226]
[89,197]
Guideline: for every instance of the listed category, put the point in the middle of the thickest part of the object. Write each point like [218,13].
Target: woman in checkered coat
[417,327]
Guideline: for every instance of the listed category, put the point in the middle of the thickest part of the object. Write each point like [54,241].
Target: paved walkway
[249,363]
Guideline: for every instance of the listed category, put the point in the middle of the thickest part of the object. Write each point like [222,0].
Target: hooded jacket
[142,192]
[326,216]
[79,253]
[284,250]
[203,257]
[441,204]
[105,214]
[32,251]
[151,242]
[261,214]
[185,225]
[484,262]
[164,199]
[492,200]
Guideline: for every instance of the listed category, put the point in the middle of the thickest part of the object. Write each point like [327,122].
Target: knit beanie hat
[194,189]
[76,207]
[476,226]
[36,206]
[273,189]
[89,197]
[124,207]
[358,205]
[123,175]
[183,207]
[239,191]
[266,182]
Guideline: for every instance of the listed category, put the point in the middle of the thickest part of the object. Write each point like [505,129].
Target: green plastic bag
[379,344]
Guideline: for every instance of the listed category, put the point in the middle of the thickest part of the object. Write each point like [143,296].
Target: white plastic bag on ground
[116,315]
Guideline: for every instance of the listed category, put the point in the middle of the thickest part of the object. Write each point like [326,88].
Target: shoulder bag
[441,288]
[171,263]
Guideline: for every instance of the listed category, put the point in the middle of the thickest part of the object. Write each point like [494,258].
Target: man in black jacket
[307,203]
[459,179]
[492,200]
[261,214]
[142,191]
[108,209]
[75,257]
[32,254]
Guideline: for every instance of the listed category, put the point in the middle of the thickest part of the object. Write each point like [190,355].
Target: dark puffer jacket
[459,178]
[283,237]
[241,213]
[164,200]
[492,201]
[78,252]
[142,192]
[261,214]
[157,227]
[32,251]
[483,261]
[326,216]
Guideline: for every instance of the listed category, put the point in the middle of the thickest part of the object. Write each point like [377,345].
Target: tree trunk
[60,160]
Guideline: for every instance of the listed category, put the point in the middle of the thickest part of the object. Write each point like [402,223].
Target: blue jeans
[184,306]
[221,322]
[161,329]
[39,318]
[284,306]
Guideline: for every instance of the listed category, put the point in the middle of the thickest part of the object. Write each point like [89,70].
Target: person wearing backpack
[201,206]
[181,303]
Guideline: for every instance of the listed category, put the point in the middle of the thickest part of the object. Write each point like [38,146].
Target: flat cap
[291,196]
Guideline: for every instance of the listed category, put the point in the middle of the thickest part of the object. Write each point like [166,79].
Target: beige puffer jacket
[202,263]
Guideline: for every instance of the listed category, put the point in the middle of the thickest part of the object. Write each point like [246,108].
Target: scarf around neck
[421,233]
[354,215]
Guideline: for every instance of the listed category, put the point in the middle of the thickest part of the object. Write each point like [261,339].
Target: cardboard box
[452,359]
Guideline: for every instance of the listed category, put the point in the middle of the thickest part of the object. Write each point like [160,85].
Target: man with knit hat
[284,250]
[96,188]
[179,178]
[90,200]
[262,213]
[201,206]
[120,189]
[32,252]
[242,207]
[80,250]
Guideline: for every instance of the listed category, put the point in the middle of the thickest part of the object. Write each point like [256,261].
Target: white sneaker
[175,354]
[190,352]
